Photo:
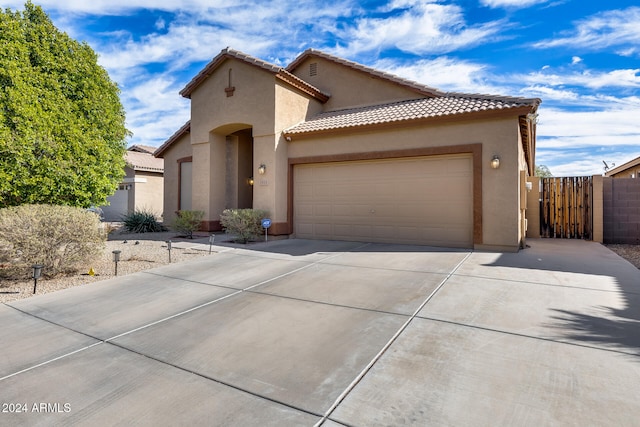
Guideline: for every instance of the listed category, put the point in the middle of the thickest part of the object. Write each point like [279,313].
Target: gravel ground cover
[138,252]
[629,252]
[148,250]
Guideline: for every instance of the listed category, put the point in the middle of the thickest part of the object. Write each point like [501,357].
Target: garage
[417,200]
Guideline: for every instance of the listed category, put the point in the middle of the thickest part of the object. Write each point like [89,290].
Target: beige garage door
[420,200]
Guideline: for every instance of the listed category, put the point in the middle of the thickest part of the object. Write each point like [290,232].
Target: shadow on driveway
[616,326]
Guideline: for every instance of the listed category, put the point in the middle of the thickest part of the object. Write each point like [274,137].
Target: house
[142,186]
[631,169]
[333,149]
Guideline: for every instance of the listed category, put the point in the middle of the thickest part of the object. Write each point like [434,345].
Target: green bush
[142,221]
[187,222]
[244,223]
[63,239]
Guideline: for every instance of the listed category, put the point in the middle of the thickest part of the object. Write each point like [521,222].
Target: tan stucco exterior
[265,102]
[142,188]
[630,169]
[180,152]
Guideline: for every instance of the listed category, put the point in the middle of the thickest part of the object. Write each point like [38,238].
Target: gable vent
[313,69]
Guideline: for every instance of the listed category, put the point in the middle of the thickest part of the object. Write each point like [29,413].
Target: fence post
[597,206]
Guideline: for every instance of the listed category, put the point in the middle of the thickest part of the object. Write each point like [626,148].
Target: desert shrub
[187,222]
[63,239]
[142,221]
[244,223]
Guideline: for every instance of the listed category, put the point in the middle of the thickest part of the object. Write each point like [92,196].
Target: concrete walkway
[297,332]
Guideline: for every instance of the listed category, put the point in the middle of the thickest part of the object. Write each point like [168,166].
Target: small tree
[62,126]
[187,222]
[543,172]
[244,223]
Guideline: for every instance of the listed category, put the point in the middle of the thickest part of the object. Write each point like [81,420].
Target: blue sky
[581,57]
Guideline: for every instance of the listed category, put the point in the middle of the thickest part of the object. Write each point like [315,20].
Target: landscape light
[116,258]
[37,272]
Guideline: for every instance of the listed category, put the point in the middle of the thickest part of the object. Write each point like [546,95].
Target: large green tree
[62,126]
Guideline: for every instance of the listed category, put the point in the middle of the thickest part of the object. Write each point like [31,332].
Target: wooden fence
[566,207]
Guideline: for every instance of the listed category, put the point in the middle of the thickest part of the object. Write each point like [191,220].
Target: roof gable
[142,148]
[371,72]
[623,167]
[185,129]
[278,72]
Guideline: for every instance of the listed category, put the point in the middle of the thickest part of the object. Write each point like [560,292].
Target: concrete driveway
[305,333]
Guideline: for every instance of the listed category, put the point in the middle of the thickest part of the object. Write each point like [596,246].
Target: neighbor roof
[144,162]
[630,164]
[279,72]
[412,110]
[142,148]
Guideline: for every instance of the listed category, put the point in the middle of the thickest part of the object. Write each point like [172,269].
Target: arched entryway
[239,169]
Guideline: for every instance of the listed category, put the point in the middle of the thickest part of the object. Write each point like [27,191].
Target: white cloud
[584,162]
[601,31]
[160,24]
[154,109]
[576,60]
[627,78]
[109,7]
[511,3]
[425,28]
[443,73]
[574,129]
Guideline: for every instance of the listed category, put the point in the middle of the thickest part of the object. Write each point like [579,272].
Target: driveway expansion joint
[384,349]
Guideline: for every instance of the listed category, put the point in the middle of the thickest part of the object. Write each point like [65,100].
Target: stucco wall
[251,105]
[351,89]
[265,105]
[500,187]
[178,150]
[149,192]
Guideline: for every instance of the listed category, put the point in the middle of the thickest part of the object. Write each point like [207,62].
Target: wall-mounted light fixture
[262,169]
[495,162]
[250,180]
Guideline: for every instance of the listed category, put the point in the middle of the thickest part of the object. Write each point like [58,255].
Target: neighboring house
[336,150]
[631,169]
[142,186]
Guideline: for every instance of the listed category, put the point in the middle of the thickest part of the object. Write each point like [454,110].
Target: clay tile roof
[278,71]
[420,88]
[423,108]
[142,148]
[144,162]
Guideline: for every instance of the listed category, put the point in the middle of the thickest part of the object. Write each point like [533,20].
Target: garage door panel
[424,200]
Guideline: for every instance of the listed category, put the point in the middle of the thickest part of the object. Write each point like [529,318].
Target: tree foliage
[62,131]
[543,172]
